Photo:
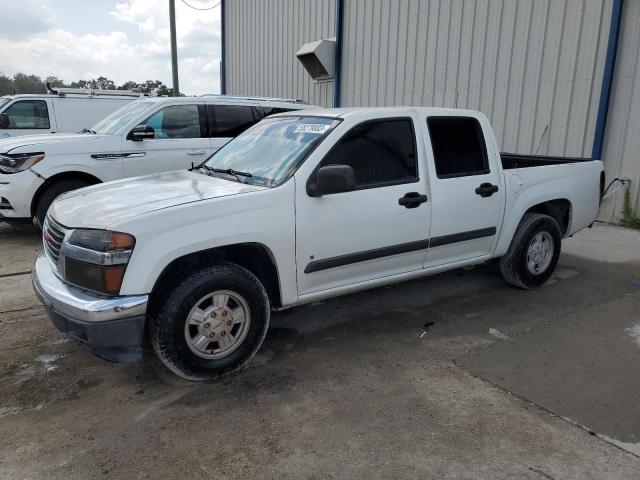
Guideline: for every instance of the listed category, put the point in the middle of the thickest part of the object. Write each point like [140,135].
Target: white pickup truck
[145,136]
[302,206]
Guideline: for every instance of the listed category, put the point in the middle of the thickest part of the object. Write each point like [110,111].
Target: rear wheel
[51,193]
[210,323]
[534,251]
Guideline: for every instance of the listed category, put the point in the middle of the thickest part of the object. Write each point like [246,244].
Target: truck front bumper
[112,327]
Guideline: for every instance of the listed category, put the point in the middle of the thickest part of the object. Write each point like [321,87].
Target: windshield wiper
[87,130]
[229,171]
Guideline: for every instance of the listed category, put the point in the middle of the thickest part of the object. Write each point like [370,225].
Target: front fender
[264,217]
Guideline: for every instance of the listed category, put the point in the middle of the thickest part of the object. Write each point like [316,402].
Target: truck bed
[514,160]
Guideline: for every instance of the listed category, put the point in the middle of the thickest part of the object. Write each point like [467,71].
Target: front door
[180,139]
[367,233]
[27,117]
[466,191]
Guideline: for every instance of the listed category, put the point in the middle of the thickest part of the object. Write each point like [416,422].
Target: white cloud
[24,18]
[116,55]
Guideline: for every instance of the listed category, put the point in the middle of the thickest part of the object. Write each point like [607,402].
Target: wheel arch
[60,177]
[559,209]
[255,257]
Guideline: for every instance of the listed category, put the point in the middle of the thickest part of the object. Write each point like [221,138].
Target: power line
[201,9]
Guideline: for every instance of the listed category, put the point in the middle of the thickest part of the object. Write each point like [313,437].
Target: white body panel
[177,213]
[114,156]
[66,114]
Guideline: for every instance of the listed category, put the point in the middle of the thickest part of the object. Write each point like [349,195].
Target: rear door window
[28,114]
[230,120]
[458,146]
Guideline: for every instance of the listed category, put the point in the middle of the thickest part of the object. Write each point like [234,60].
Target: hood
[28,143]
[104,205]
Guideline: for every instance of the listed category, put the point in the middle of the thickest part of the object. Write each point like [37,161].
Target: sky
[119,39]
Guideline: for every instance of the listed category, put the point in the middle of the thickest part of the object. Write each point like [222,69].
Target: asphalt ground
[504,384]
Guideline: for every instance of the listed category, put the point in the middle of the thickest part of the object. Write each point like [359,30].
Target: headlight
[97,259]
[102,240]
[17,162]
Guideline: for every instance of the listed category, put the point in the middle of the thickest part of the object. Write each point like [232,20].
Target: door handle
[196,152]
[412,200]
[486,189]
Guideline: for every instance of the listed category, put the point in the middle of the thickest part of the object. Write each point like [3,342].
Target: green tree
[6,85]
[55,82]
[23,83]
[133,86]
[103,83]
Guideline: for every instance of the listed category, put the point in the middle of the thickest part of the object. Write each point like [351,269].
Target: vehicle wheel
[211,323]
[51,193]
[534,251]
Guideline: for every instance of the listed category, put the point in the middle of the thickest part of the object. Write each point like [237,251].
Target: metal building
[558,77]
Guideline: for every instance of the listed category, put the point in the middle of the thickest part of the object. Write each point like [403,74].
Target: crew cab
[303,206]
[145,136]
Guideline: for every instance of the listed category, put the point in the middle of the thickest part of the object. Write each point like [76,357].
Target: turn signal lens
[113,278]
[121,240]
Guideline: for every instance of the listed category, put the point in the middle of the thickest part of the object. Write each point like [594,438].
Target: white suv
[145,136]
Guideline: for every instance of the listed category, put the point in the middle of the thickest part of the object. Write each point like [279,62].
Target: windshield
[116,120]
[273,149]
[4,101]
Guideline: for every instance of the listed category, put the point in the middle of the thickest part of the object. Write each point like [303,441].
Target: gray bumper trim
[78,304]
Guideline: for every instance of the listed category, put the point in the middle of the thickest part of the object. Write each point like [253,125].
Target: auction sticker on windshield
[317,128]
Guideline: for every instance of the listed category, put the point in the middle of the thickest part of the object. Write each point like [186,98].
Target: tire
[178,323]
[525,268]
[51,193]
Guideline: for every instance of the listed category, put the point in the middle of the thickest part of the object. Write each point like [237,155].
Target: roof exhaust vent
[318,59]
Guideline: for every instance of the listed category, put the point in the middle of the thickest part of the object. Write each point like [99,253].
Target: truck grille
[52,236]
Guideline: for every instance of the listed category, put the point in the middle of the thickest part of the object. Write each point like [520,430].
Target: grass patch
[629,217]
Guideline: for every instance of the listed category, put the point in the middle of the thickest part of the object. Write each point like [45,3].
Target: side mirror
[141,132]
[332,179]
[4,120]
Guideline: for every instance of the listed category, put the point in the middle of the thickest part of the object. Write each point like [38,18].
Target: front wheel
[211,323]
[534,251]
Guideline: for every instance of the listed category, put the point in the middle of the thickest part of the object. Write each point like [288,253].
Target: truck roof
[214,98]
[384,111]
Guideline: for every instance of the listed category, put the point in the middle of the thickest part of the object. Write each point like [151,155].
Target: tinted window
[28,114]
[229,120]
[176,121]
[458,146]
[379,152]
[273,110]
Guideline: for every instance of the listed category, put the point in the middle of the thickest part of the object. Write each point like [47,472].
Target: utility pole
[174,48]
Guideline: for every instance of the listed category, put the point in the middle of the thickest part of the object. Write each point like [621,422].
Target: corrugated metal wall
[533,67]
[622,139]
[262,38]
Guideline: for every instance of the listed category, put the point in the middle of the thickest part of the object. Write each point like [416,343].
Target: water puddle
[634,332]
[43,364]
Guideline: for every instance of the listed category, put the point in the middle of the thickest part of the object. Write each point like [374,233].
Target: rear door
[180,139]
[466,190]
[367,233]
[229,121]
[28,117]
